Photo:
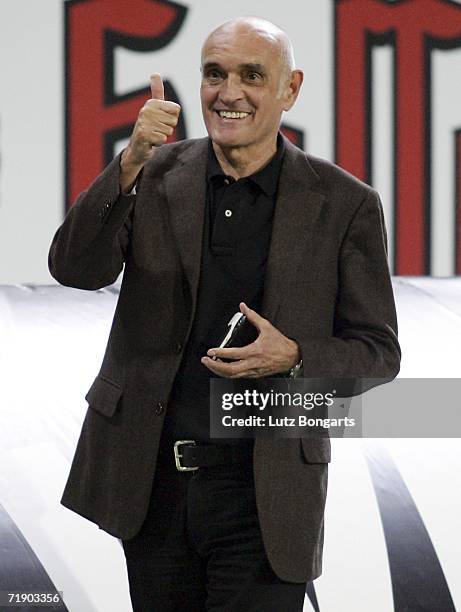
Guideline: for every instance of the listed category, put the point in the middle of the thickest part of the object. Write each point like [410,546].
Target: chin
[227,140]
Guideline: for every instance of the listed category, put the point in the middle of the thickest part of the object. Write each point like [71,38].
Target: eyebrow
[251,66]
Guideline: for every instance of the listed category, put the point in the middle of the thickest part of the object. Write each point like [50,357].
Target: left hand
[271,352]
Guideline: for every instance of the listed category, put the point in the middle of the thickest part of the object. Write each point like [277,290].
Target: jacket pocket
[316,450]
[104,395]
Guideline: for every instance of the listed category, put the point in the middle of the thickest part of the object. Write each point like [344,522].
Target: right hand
[156,121]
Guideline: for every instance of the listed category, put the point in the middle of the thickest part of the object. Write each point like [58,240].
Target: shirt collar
[266,178]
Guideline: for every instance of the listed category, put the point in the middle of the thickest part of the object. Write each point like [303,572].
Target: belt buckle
[177,456]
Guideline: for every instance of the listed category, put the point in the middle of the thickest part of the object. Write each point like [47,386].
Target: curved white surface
[51,345]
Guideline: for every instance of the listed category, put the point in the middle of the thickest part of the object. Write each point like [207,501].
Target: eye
[213,75]
[253,77]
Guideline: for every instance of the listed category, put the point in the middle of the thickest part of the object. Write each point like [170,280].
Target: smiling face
[246,84]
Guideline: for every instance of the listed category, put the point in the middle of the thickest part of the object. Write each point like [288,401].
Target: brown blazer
[327,285]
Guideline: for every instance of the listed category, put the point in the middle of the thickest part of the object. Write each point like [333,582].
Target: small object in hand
[238,331]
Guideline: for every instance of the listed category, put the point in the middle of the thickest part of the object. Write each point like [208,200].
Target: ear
[292,89]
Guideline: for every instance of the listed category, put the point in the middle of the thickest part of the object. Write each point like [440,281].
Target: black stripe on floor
[310,592]
[20,568]
[418,581]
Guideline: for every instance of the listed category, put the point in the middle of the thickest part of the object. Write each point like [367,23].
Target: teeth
[232,115]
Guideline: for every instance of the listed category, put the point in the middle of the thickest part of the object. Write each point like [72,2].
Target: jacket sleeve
[89,248]
[364,342]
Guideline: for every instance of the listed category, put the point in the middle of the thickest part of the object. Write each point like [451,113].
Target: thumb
[253,317]
[156,87]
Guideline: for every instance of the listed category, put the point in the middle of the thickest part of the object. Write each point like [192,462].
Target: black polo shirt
[237,232]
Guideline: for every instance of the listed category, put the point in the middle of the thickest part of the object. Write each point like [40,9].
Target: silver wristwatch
[296,370]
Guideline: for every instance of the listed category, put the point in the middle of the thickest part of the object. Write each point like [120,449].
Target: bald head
[255,27]
[248,81]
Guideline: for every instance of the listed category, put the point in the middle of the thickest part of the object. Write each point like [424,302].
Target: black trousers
[200,547]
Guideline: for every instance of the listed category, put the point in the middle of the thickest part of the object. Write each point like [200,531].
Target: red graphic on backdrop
[413,27]
[95,116]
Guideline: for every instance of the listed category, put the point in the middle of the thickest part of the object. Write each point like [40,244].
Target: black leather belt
[191,456]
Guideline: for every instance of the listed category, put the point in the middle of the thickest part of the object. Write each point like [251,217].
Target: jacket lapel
[186,193]
[297,209]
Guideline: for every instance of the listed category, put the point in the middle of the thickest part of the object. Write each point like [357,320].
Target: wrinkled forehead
[241,43]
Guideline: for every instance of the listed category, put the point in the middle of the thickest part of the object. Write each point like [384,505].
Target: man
[242,219]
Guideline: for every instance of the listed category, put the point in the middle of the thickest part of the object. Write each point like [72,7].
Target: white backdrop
[53,339]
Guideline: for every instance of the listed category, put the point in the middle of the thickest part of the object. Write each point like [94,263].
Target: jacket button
[104,210]
[178,347]
[159,409]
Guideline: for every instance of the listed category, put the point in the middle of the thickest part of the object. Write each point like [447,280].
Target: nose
[231,90]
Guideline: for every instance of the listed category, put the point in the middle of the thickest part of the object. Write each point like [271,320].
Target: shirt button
[226,181]
[159,409]
[178,347]
[228,213]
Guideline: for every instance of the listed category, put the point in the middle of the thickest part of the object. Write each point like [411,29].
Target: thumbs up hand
[156,87]
[156,121]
